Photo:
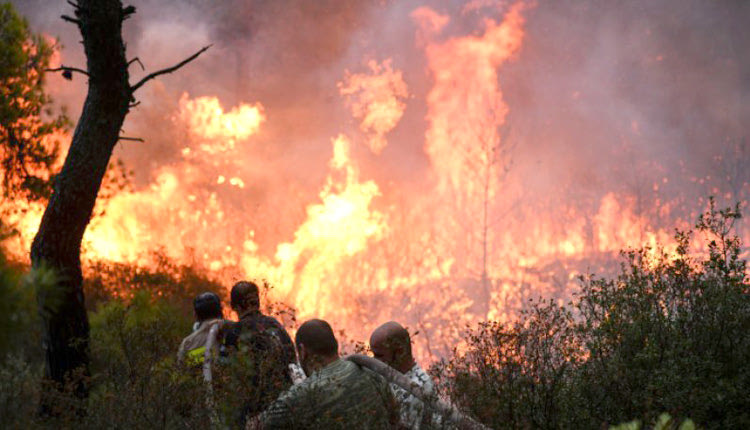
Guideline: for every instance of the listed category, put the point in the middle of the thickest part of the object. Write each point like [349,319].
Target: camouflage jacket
[340,395]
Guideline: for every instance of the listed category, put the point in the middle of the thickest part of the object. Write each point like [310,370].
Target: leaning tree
[57,245]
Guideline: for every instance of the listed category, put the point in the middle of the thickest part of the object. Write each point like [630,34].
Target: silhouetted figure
[261,347]
[207,307]
[337,393]
[391,344]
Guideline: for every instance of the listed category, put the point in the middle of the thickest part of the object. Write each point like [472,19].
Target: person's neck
[320,362]
[406,365]
[247,312]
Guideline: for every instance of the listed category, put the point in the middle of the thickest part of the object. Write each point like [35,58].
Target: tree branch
[68,71]
[70,19]
[134,139]
[126,12]
[137,60]
[140,83]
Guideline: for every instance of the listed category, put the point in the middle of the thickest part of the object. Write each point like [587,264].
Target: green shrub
[19,392]
[670,333]
[136,380]
[19,324]
[514,375]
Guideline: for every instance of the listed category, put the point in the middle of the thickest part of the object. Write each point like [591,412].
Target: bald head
[391,344]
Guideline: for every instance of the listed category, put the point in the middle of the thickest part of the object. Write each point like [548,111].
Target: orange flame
[377,99]
[363,252]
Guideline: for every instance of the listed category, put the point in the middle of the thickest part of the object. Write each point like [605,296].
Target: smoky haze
[646,103]
[667,79]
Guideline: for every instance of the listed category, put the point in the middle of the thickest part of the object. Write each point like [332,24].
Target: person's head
[207,306]
[245,297]
[316,345]
[391,344]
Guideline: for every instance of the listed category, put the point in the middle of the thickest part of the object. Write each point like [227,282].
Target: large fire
[463,245]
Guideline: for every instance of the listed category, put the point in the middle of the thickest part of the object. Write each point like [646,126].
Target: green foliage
[19,325]
[123,334]
[28,150]
[19,391]
[137,383]
[670,333]
[664,422]
[526,362]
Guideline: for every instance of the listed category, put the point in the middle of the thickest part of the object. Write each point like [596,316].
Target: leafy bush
[19,325]
[137,383]
[514,375]
[664,422]
[670,333]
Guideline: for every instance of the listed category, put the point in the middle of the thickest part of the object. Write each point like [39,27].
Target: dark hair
[207,306]
[245,294]
[318,338]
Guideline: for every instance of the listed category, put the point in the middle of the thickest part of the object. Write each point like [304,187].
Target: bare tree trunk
[57,244]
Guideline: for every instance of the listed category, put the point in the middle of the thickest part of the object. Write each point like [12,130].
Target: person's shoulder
[194,338]
[269,321]
[421,377]
[375,378]
[305,388]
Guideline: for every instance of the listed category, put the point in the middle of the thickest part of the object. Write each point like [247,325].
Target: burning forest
[438,163]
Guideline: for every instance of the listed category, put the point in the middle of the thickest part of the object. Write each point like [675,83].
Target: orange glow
[359,248]
[377,99]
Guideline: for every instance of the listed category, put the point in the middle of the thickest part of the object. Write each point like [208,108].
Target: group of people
[313,387]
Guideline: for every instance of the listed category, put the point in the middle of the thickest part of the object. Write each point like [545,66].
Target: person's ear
[398,352]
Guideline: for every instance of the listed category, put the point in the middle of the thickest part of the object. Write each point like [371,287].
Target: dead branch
[127,11]
[70,19]
[140,83]
[67,72]
[137,60]
[134,139]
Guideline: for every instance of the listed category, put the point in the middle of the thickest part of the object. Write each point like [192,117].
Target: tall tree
[57,244]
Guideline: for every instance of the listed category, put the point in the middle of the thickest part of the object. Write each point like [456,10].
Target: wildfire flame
[449,251]
[377,99]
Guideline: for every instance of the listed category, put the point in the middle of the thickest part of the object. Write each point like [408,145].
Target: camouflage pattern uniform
[260,344]
[413,414]
[340,395]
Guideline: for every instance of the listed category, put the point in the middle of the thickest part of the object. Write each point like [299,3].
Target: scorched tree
[57,244]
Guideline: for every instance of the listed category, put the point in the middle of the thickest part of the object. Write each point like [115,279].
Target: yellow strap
[196,356]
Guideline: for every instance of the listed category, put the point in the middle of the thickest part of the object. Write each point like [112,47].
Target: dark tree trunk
[57,244]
